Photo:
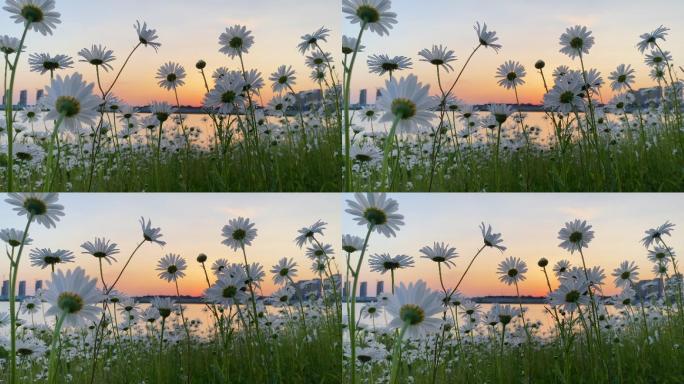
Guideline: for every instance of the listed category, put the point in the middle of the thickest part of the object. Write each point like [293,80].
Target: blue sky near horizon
[529,224]
[528,30]
[191,224]
[188,32]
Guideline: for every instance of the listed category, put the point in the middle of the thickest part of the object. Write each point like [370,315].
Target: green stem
[52,370]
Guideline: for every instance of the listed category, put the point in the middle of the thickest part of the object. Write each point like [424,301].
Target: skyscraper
[380,288]
[23,98]
[22,289]
[378,94]
[38,286]
[364,289]
[5,289]
[39,95]
[363,98]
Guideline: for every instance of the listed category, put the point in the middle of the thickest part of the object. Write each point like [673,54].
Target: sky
[191,224]
[529,224]
[187,33]
[528,30]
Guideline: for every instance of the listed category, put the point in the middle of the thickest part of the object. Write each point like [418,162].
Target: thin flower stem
[10,138]
[52,366]
[347,121]
[352,313]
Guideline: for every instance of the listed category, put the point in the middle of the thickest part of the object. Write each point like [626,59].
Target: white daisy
[382,64]
[383,262]
[510,74]
[439,56]
[486,38]
[38,15]
[226,96]
[377,212]
[564,97]
[412,307]
[575,235]
[151,234]
[98,55]
[626,274]
[226,291]
[44,257]
[14,237]
[512,270]
[348,45]
[236,40]
[406,100]
[101,248]
[576,41]
[570,295]
[491,239]
[306,234]
[171,75]
[440,253]
[622,78]
[649,40]
[654,234]
[41,207]
[238,233]
[72,100]
[284,271]
[373,14]
[310,40]
[74,296]
[43,62]
[351,243]
[147,36]
[171,267]
[283,78]
[9,44]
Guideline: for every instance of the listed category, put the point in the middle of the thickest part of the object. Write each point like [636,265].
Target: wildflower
[622,78]
[9,44]
[383,262]
[576,41]
[72,100]
[235,41]
[510,74]
[171,75]
[147,36]
[351,244]
[283,78]
[440,253]
[626,274]
[575,236]
[382,64]
[439,56]
[486,38]
[654,234]
[412,307]
[14,237]
[570,295]
[649,40]
[500,112]
[38,15]
[512,270]
[238,233]
[371,14]
[306,234]
[226,96]
[284,271]
[41,207]
[561,267]
[406,101]
[44,257]
[101,248]
[310,40]
[98,56]
[377,212]
[164,306]
[74,296]
[171,267]
[348,45]
[151,234]
[43,62]
[226,291]
[491,239]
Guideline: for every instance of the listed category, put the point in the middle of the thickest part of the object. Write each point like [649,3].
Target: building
[378,94]
[22,289]
[38,286]
[380,288]
[363,292]
[5,289]
[308,98]
[363,98]
[23,98]
[649,289]
[39,95]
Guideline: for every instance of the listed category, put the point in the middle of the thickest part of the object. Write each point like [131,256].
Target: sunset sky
[191,224]
[529,224]
[185,37]
[528,30]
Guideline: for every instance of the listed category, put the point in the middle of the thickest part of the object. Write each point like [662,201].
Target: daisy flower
[371,311]
[659,254]
[654,234]
[382,64]
[98,56]
[102,249]
[377,212]
[374,15]
[406,100]
[283,78]
[30,305]
[41,207]
[226,291]
[561,267]
[348,45]
[491,239]
[366,153]
[626,274]
[575,235]
[44,257]
[505,313]
[219,266]
[284,271]
[351,243]
[226,97]
[383,262]
[43,62]
[576,41]
[649,40]
[74,296]
[440,253]
[171,76]
[500,112]
[151,234]
[14,237]
[171,267]
[38,15]
[150,314]
[412,307]
[438,56]
[72,100]
[9,44]
[161,110]
[564,97]
[306,234]
[486,38]
[510,74]
[318,59]
[310,40]
[238,233]
[147,36]
[164,306]
[658,58]
[318,251]
[512,270]
[622,78]
[235,41]
[570,295]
